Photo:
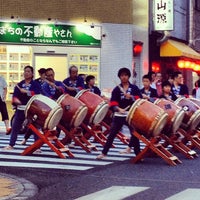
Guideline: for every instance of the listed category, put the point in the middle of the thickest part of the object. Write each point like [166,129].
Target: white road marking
[114,192]
[43,165]
[188,194]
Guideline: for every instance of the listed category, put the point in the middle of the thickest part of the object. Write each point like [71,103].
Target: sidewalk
[12,187]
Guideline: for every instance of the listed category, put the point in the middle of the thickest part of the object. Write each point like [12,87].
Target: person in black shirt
[178,88]
[166,92]
[123,96]
[147,91]
[90,81]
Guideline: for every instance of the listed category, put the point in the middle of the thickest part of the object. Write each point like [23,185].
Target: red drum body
[74,111]
[97,107]
[43,112]
[147,118]
[192,112]
[175,115]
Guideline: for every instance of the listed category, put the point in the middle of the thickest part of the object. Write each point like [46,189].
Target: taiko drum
[43,112]
[74,111]
[175,115]
[147,118]
[97,107]
[192,112]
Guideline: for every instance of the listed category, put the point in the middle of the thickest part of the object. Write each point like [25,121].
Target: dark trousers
[116,126]
[3,110]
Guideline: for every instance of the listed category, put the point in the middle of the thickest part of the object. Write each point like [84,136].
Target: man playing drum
[123,96]
[74,83]
[52,88]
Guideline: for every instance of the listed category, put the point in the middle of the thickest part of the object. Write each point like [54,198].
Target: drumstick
[121,89]
[49,82]
[127,108]
[16,84]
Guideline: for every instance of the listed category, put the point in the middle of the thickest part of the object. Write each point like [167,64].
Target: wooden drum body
[43,112]
[192,112]
[175,115]
[147,118]
[74,111]
[97,107]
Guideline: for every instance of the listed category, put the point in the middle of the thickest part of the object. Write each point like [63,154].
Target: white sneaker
[100,157]
[126,151]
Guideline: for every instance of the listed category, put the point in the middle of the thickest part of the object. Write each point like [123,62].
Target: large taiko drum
[97,107]
[192,112]
[43,112]
[74,111]
[147,118]
[175,115]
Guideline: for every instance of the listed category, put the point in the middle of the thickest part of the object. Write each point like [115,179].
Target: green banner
[49,34]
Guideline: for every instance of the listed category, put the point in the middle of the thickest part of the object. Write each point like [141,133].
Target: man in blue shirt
[52,88]
[74,83]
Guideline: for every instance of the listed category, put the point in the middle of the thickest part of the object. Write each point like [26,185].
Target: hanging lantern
[181,64]
[156,66]
[187,64]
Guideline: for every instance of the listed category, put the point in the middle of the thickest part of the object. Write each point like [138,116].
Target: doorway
[57,62]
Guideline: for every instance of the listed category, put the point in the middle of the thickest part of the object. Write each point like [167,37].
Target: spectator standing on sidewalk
[3,106]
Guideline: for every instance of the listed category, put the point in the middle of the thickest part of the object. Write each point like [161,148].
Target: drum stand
[192,136]
[97,134]
[79,139]
[46,138]
[154,145]
[176,142]
[120,135]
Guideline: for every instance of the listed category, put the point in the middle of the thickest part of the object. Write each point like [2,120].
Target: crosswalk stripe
[114,192]
[49,159]
[43,165]
[188,194]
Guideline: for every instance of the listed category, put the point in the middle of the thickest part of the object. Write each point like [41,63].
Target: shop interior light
[85,20]
[92,25]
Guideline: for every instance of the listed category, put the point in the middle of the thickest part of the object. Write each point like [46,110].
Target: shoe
[126,151]
[8,131]
[71,145]
[23,142]
[8,148]
[101,156]
[38,151]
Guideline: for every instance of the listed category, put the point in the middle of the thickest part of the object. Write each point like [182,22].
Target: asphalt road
[118,178]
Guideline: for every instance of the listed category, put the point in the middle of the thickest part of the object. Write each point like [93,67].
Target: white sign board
[163,15]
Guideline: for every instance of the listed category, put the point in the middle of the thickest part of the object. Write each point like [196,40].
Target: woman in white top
[3,107]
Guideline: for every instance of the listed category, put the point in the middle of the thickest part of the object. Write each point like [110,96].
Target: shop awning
[172,48]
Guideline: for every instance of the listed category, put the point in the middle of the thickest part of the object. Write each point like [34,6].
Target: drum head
[99,113]
[80,93]
[53,118]
[79,116]
[177,120]
[30,102]
[194,120]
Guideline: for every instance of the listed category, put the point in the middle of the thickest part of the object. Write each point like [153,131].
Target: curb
[17,188]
